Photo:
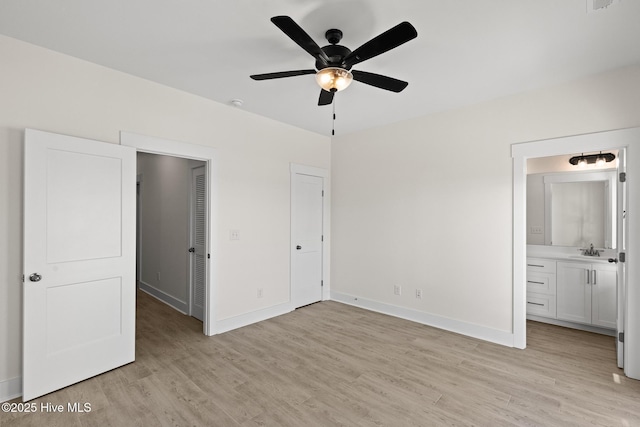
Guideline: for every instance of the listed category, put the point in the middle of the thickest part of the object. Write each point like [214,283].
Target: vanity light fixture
[599,159]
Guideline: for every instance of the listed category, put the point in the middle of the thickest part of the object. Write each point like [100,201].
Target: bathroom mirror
[580,209]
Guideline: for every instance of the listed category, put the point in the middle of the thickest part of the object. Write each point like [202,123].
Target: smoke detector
[598,5]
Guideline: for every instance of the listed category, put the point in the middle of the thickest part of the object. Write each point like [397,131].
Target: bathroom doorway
[571,233]
[521,153]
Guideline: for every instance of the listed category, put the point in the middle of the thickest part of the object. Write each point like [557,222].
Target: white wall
[49,91]
[165,192]
[427,203]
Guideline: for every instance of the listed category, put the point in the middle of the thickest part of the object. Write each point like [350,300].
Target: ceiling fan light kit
[334,79]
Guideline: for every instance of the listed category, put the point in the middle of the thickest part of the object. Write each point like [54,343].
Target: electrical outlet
[397,290]
[260,293]
[419,293]
[234,235]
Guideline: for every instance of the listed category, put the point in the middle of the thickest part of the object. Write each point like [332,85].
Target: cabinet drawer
[541,305]
[541,265]
[541,283]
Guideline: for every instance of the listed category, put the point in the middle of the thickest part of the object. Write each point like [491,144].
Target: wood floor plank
[329,364]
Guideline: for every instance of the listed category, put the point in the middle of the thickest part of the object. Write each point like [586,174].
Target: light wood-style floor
[331,364]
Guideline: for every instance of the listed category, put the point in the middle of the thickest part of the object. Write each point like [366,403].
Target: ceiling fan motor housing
[336,54]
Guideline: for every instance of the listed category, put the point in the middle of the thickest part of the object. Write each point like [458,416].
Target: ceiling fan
[333,62]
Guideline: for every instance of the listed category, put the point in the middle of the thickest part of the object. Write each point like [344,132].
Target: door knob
[613,260]
[192,249]
[298,247]
[35,277]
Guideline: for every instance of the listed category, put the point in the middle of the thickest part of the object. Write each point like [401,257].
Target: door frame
[628,139]
[294,169]
[139,179]
[154,145]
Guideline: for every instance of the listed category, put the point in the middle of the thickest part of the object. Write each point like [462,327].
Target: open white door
[198,241]
[306,238]
[79,260]
[622,248]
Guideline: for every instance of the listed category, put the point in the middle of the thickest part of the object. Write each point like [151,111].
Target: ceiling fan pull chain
[333,129]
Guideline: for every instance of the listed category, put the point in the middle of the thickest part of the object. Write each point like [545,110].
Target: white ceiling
[467,51]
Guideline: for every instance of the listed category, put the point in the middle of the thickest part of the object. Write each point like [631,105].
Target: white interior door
[79,260]
[198,241]
[622,248]
[306,242]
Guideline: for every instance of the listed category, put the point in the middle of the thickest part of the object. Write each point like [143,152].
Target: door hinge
[622,257]
[321,282]
[623,177]
[621,336]
[322,238]
[208,256]
[23,278]
[322,193]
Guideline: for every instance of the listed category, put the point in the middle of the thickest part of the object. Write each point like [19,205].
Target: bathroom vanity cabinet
[587,293]
[541,287]
[572,292]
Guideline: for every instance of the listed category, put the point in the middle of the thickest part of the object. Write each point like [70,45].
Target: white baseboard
[469,329]
[10,389]
[246,319]
[588,328]
[171,301]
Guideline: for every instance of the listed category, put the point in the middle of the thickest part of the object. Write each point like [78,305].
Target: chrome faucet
[590,251]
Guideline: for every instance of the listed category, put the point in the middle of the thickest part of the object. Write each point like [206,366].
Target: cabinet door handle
[534,303]
[537,283]
[588,276]
[593,278]
[535,265]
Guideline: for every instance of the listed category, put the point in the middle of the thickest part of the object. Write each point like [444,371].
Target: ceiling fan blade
[298,35]
[326,97]
[377,80]
[386,41]
[281,74]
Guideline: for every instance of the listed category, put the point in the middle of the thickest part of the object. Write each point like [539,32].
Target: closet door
[198,241]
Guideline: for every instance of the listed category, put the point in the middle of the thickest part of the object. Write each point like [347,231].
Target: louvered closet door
[198,233]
